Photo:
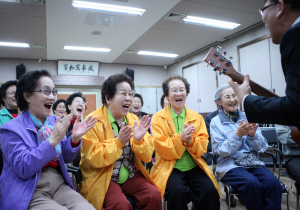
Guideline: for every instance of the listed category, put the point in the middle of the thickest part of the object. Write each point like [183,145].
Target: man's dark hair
[4,88]
[70,99]
[27,84]
[165,84]
[58,102]
[140,97]
[109,86]
[294,4]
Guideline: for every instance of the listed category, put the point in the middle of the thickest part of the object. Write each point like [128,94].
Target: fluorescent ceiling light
[87,49]
[210,22]
[12,1]
[13,44]
[157,54]
[108,7]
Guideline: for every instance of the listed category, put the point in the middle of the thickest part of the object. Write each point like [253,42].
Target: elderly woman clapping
[180,139]
[112,152]
[35,150]
[237,143]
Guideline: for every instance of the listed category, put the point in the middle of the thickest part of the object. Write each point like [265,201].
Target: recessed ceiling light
[210,22]
[87,49]
[11,1]
[14,44]
[108,7]
[157,54]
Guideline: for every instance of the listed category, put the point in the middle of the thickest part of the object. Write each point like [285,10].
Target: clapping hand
[187,133]
[59,130]
[253,129]
[81,128]
[140,130]
[245,128]
[125,133]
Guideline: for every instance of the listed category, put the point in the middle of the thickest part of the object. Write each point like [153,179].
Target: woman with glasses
[59,108]
[180,139]
[8,101]
[75,105]
[112,152]
[237,144]
[35,150]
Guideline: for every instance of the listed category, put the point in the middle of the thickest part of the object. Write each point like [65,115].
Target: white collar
[297,21]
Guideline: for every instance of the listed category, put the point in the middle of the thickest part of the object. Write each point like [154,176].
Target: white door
[278,81]
[193,99]
[207,86]
[255,61]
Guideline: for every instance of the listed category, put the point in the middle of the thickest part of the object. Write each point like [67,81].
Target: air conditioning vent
[174,17]
[38,2]
[131,51]
[38,46]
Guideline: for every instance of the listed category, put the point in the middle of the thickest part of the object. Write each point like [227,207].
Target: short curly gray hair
[219,91]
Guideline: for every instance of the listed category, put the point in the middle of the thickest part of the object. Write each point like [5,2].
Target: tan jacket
[169,147]
[100,150]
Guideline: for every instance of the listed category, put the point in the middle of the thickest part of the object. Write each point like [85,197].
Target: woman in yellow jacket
[113,149]
[180,139]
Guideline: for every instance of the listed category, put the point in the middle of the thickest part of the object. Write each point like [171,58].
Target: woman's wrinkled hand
[140,130]
[81,128]
[59,130]
[187,133]
[125,133]
[245,128]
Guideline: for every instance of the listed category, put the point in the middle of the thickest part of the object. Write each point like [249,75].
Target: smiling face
[10,100]
[77,107]
[136,105]
[270,20]
[119,105]
[229,101]
[40,104]
[177,95]
[60,110]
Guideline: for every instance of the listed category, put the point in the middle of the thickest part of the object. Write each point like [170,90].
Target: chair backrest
[270,134]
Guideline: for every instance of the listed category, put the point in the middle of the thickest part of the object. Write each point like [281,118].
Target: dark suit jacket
[207,120]
[281,110]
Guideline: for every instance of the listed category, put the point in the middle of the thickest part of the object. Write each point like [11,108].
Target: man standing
[282,19]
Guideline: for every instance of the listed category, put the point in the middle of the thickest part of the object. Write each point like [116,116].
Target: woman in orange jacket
[113,149]
[180,139]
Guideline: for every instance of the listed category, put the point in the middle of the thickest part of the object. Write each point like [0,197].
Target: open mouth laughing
[48,106]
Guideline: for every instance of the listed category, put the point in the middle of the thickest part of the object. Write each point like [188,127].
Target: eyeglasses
[11,93]
[61,107]
[261,11]
[80,102]
[47,91]
[175,91]
[227,97]
[124,94]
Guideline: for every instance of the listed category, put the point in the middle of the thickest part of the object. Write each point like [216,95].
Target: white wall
[230,46]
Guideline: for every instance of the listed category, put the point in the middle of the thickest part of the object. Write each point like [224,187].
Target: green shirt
[5,116]
[124,172]
[186,162]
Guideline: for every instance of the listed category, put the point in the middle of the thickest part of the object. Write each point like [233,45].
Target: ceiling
[56,24]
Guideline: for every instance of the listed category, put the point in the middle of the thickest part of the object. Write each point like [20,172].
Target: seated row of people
[113,143]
